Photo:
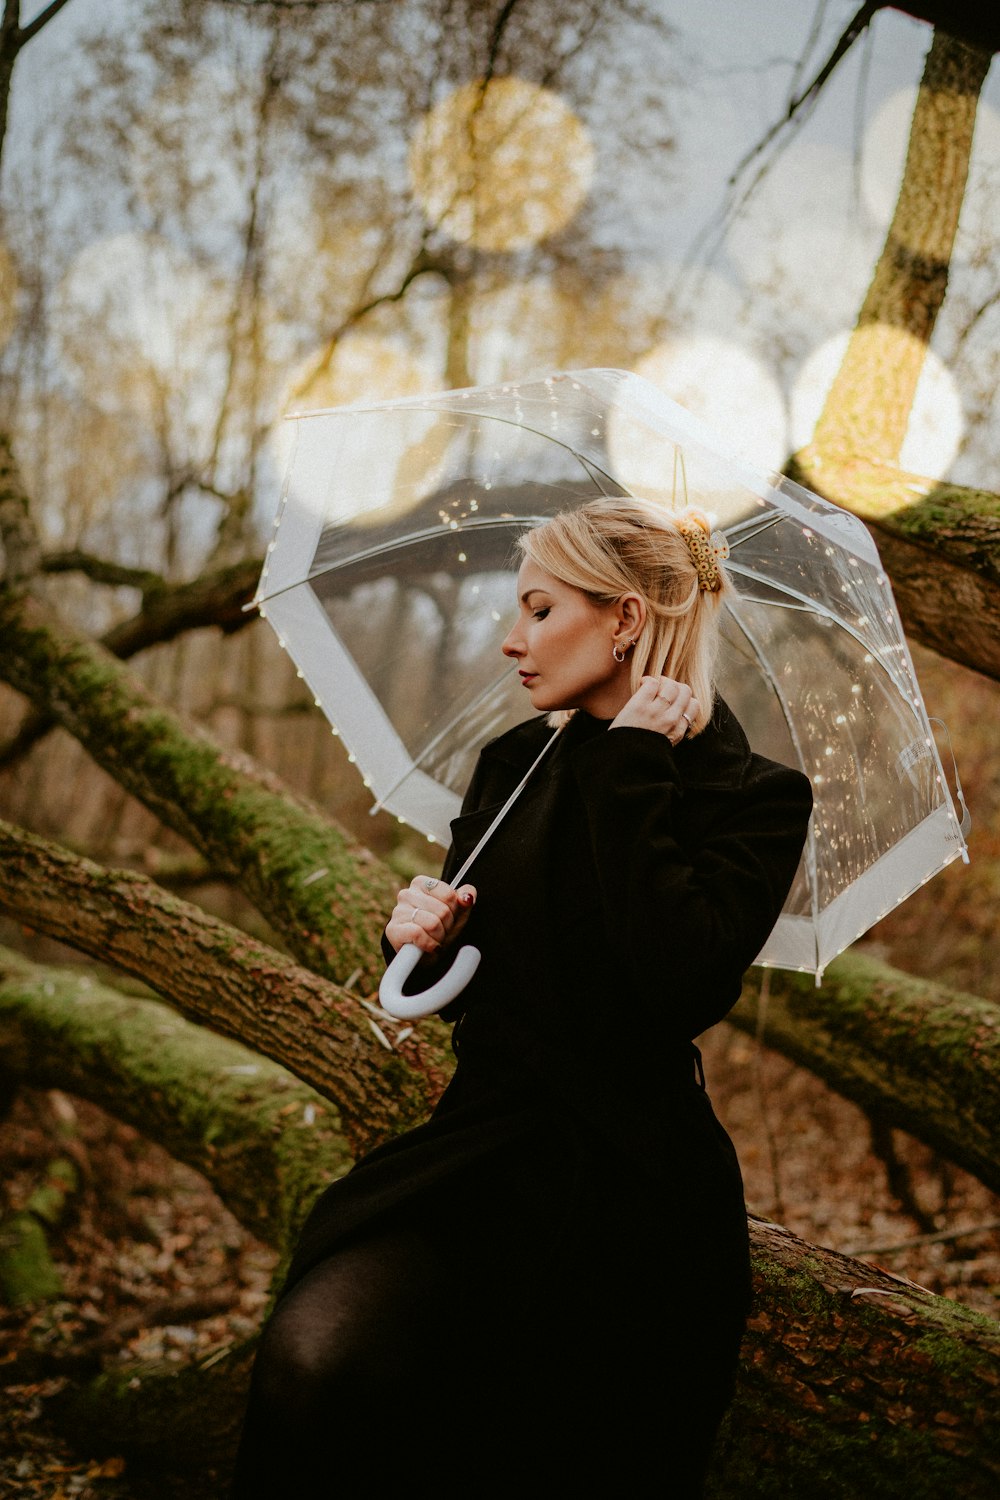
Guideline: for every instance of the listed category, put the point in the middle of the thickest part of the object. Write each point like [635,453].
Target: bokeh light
[362,368]
[139,328]
[501,167]
[936,421]
[725,385]
[884,155]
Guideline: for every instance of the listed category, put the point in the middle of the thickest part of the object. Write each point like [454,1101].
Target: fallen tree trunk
[326,895]
[911,1053]
[852,1383]
[856,1383]
[380,1076]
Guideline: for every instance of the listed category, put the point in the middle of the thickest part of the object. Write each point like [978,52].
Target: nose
[512,646]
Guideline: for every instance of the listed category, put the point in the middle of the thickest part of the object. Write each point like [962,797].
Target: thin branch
[797,105]
[943,1237]
[796,114]
[499,28]
[422,264]
[102,570]
[25,33]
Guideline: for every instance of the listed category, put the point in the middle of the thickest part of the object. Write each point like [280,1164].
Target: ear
[630,617]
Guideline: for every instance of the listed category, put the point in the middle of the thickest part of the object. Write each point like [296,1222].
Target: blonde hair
[622,545]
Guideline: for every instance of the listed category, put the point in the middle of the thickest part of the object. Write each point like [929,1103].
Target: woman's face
[562,643]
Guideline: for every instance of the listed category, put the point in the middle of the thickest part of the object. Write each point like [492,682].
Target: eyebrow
[536,590]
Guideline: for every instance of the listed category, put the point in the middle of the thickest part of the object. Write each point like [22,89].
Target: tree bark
[240,987]
[856,1383]
[326,895]
[911,1053]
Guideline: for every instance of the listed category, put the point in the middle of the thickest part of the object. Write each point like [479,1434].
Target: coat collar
[719,757]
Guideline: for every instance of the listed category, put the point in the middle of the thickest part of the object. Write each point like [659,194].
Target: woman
[545,1285]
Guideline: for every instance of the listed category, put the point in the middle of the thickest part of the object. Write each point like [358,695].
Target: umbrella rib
[480,523]
[738,532]
[456,718]
[812,606]
[751,640]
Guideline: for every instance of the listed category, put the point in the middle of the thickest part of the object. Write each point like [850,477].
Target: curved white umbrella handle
[412,1007]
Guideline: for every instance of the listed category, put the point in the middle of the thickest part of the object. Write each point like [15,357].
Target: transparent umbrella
[390,580]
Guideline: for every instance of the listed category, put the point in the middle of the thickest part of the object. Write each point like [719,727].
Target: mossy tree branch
[214,599]
[912,1053]
[215,974]
[265,1141]
[854,1382]
[326,895]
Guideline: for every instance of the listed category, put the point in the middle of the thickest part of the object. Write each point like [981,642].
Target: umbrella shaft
[457,881]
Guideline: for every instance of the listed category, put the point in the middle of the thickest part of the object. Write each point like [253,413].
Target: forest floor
[154,1267]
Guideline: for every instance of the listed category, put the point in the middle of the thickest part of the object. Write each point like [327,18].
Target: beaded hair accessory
[708,548]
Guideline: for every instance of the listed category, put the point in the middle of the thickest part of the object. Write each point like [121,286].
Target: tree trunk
[868,407]
[379,1077]
[327,896]
[940,543]
[911,1053]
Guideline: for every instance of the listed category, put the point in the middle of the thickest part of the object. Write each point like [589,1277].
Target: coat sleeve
[688,915]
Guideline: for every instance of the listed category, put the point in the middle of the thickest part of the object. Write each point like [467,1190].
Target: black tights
[352,1357]
[374,1372]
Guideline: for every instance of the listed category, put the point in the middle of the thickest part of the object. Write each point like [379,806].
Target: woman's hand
[661,704]
[429,914]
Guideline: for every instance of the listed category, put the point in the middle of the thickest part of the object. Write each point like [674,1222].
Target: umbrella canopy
[390,580]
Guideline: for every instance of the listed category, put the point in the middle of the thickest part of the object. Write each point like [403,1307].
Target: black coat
[576,1185]
[619,905]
